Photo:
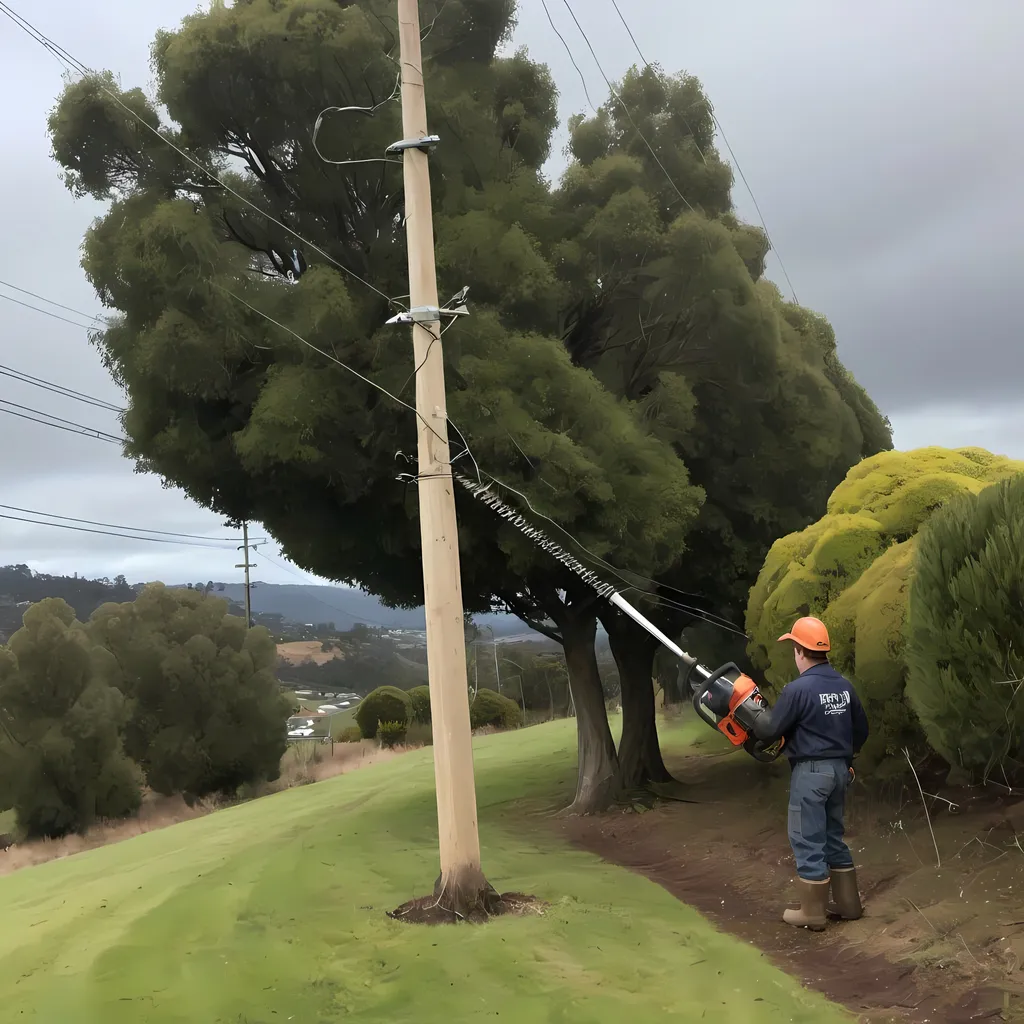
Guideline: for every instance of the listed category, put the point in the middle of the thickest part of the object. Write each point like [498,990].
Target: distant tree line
[168,691]
[19,584]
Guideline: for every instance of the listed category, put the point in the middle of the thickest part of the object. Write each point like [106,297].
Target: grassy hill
[274,911]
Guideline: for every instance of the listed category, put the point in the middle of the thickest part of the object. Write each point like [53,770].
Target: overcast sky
[882,141]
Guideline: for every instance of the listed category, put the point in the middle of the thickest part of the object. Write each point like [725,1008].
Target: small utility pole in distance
[246,565]
[462,888]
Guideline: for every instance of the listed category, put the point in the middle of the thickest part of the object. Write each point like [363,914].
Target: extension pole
[461,886]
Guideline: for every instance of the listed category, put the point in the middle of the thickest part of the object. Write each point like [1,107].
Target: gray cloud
[881,141]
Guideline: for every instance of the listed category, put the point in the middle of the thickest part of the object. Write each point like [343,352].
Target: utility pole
[462,886]
[246,565]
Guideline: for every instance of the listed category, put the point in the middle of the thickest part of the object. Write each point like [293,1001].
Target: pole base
[476,903]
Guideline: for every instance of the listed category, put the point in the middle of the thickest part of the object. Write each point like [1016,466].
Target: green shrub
[966,632]
[385,704]
[493,709]
[420,697]
[63,763]
[852,568]
[351,734]
[391,734]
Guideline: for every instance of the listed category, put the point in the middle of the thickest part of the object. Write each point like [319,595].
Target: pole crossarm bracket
[455,308]
[426,143]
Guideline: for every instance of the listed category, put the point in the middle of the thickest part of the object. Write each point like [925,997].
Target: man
[823,723]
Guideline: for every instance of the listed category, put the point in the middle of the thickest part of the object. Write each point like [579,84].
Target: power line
[625,109]
[59,423]
[43,298]
[625,25]
[106,533]
[757,207]
[334,359]
[725,139]
[57,389]
[116,526]
[46,312]
[86,72]
[568,50]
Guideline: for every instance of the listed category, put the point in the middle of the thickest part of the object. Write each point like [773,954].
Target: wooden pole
[248,599]
[461,886]
[246,565]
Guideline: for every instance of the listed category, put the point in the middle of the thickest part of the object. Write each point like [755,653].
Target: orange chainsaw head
[742,688]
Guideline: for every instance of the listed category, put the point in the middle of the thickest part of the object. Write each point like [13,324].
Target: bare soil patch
[300,651]
[936,944]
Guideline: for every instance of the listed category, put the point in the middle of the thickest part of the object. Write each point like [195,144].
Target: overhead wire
[732,154]
[58,389]
[709,617]
[86,72]
[117,526]
[107,533]
[568,50]
[625,109]
[58,422]
[47,312]
[369,112]
[51,302]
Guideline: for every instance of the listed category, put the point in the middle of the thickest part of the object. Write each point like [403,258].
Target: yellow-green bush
[852,568]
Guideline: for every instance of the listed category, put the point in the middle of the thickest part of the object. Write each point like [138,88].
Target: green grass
[274,911]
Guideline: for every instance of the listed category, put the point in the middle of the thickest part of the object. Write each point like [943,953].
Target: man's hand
[853,775]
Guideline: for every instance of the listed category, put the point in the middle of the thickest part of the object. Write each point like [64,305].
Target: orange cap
[809,633]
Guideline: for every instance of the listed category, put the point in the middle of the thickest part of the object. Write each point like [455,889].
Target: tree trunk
[572,607]
[640,760]
[596,760]
[669,674]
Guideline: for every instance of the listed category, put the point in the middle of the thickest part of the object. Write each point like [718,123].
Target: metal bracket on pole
[432,314]
[427,143]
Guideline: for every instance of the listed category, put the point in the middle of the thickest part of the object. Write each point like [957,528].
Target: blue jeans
[817,792]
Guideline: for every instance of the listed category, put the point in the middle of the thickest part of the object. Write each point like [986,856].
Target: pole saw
[727,699]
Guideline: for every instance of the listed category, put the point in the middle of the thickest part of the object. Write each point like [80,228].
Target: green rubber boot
[845,895]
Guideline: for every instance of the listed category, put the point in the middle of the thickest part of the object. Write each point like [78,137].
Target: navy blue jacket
[820,716]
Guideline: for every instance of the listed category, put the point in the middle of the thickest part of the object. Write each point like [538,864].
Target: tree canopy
[207,714]
[63,764]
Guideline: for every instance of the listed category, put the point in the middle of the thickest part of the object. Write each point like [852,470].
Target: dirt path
[934,945]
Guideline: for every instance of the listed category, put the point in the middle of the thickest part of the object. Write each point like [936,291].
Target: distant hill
[345,607]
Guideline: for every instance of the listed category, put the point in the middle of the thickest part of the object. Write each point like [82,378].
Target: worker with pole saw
[818,722]
[822,724]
